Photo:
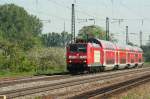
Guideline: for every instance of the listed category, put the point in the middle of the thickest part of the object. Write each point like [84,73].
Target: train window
[78,48]
[132,60]
[81,49]
[140,60]
[123,61]
[136,55]
[73,48]
[110,61]
[128,55]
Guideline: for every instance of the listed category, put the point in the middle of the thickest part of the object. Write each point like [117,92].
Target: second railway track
[106,92]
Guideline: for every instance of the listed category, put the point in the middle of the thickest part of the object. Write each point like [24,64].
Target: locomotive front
[76,57]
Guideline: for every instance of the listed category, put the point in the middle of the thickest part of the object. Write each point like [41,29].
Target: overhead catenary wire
[87,14]
[69,8]
[51,15]
[61,3]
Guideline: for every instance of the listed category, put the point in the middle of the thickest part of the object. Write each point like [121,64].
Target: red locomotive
[98,55]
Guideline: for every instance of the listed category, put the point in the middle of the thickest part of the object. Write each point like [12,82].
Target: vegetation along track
[69,82]
[106,92]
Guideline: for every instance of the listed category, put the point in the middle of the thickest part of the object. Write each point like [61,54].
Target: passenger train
[96,55]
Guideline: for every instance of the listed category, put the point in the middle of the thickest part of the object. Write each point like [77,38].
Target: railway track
[32,79]
[5,83]
[106,92]
[69,82]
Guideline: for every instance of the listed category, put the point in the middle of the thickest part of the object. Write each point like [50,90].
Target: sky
[56,15]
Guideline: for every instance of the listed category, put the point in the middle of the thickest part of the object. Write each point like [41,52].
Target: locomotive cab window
[78,48]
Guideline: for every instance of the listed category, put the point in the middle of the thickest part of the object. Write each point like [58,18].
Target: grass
[5,74]
[146,64]
[54,71]
[139,92]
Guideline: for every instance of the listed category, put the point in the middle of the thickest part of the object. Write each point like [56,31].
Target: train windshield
[78,48]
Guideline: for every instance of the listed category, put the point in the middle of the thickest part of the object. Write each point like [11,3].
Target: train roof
[138,49]
[103,43]
[120,47]
[112,46]
[130,48]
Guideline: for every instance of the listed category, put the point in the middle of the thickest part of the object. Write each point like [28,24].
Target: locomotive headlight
[70,61]
[83,57]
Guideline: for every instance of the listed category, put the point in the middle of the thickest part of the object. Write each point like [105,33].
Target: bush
[48,60]
[15,60]
[43,60]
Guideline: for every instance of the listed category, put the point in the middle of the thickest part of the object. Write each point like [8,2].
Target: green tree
[92,31]
[65,38]
[146,49]
[19,32]
[17,26]
[56,39]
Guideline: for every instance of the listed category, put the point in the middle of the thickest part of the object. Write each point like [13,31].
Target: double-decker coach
[98,55]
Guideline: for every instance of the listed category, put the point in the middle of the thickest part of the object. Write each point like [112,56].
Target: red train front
[98,55]
[77,57]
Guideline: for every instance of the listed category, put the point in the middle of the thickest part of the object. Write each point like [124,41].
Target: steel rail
[47,78]
[32,79]
[47,87]
[106,92]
